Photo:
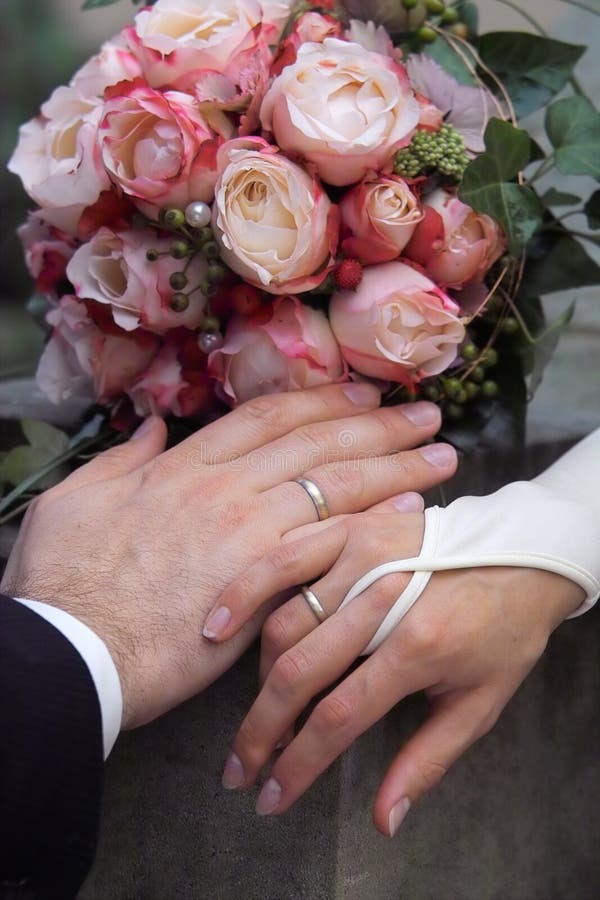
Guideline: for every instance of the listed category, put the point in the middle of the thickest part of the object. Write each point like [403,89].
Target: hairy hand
[139,542]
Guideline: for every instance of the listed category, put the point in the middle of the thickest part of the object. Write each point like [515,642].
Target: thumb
[147,442]
[457,721]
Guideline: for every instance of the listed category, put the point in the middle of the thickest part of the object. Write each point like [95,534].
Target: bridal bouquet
[239,197]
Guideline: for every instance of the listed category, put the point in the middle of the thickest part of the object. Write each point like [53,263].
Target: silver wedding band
[314,492]
[314,603]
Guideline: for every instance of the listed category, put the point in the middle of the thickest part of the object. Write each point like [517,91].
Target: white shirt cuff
[95,655]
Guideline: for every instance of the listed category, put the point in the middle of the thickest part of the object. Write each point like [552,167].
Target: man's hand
[139,542]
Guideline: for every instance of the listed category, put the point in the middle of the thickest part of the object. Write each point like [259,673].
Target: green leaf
[534,69]
[538,354]
[592,211]
[557,262]
[487,184]
[469,14]
[94,4]
[552,197]
[450,61]
[22,461]
[573,126]
[44,437]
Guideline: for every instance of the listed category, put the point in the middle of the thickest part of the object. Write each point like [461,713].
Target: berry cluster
[440,151]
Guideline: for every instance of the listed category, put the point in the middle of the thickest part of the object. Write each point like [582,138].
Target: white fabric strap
[550,523]
[97,658]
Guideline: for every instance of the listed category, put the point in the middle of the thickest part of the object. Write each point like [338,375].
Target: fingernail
[441,455]
[409,503]
[269,797]
[421,413]
[144,428]
[397,815]
[217,622]
[233,773]
[362,393]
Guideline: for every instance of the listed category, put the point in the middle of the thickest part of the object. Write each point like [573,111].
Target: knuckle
[334,713]
[289,671]
[486,722]
[275,634]
[314,440]
[422,635]
[429,773]
[284,558]
[268,413]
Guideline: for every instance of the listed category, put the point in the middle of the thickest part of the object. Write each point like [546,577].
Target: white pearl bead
[210,340]
[198,214]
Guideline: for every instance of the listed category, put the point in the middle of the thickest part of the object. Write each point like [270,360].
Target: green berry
[152,254]
[174,218]
[211,323]
[178,280]
[460,30]
[461,396]
[489,358]
[179,302]
[435,7]
[472,389]
[432,392]
[469,352]
[426,35]
[489,389]
[510,326]
[478,374]
[450,16]
[215,273]
[410,4]
[454,411]
[179,249]
[205,234]
[453,387]
[210,250]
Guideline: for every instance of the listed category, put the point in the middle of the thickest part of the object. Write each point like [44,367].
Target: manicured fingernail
[421,413]
[217,622]
[441,455]
[362,393]
[144,428]
[269,797]
[397,815]
[233,773]
[409,503]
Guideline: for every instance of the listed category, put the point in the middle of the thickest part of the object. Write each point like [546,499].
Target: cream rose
[274,223]
[58,159]
[343,108]
[174,37]
[381,215]
[397,326]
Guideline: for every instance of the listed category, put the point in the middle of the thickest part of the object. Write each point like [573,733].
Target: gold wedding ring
[314,492]
[314,603]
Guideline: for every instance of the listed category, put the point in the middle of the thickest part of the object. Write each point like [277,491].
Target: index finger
[264,419]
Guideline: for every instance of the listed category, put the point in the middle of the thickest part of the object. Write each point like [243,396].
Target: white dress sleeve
[551,523]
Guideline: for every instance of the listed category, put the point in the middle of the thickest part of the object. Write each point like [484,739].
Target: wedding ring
[316,496]
[314,603]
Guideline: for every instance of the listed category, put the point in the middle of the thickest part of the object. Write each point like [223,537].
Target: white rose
[58,159]
[274,223]
[343,108]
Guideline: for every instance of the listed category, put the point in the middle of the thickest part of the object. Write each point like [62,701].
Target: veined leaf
[592,211]
[573,126]
[552,197]
[534,69]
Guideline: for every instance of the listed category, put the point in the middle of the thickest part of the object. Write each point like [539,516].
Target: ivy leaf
[534,69]
[538,354]
[488,185]
[557,262]
[552,197]
[469,14]
[447,57]
[592,211]
[45,443]
[573,126]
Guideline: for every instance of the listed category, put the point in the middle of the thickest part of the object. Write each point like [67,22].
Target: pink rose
[82,361]
[47,252]
[175,37]
[275,16]
[58,159]
[453,243]
[310,26]
[381,214]
[112,268]
[290,350]
[343,108]
[157,147]
[159,391]
[274,223]
[398,325]
[114,63]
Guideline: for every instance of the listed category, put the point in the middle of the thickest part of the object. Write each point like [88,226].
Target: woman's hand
[469,642]
[139,542]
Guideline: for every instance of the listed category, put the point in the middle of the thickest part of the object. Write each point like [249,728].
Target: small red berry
[348,274]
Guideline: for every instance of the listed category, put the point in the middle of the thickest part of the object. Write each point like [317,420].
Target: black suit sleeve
[50,759]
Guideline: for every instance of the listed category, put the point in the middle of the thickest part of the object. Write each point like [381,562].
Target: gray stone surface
[517,818]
